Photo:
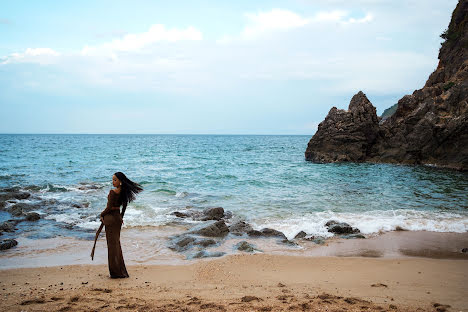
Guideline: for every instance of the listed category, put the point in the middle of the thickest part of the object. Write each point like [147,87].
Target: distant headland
[428,127]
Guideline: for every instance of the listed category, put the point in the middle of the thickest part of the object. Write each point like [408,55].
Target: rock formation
[429,127]
[345,135]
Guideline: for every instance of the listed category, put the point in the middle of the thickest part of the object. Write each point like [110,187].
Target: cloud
[332,51]
[329,16]
[32,55]
[276,19]
[366,19]
[340,16]
[139,41]
[281,20]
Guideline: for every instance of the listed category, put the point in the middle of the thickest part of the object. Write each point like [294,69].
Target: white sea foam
[312,223]
[181,194]
[368,223]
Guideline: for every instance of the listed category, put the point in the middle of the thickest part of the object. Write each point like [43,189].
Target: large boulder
[22,208]
[245,246]
[301,234]
[211,229]
[216,213]
[7,244]
[183,242]
[7,194]
[345,135]
[267,232]
[340,228]
[32,216]
[212,213]
[7,226]
[239,228]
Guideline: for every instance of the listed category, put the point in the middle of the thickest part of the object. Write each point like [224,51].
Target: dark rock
[345,135]
[32,216]
[301,234]
[9,189]
[206,254]
[465,250]
[267,232]
[181,214]
[340,228]
[7,226]
[319,240]
[227,214]
[211,229]
[215,213]
[429,126]
[245,246]
[351,236]
[13,194]
[205,242]
[15,210]
[240,228]
[21,208]
[399,228]
[273,233]
[181,243]
[254,233]
[250,298]
[7,244]
[331,222]
[288,242]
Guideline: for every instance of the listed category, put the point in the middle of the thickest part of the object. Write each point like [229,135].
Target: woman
[112,219]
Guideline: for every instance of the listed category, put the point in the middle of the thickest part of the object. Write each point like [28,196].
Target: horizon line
[27,133]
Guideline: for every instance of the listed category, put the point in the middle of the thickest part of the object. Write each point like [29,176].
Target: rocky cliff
[429,126]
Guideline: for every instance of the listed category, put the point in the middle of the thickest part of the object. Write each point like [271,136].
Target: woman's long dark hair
[128,190]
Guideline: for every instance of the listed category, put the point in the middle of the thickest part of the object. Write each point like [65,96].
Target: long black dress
[113,224]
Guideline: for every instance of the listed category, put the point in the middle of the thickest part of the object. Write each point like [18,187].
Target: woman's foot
[113,276]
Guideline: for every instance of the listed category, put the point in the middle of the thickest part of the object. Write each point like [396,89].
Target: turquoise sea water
[262,179]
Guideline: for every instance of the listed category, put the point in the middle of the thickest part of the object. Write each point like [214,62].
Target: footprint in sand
[379,285]
[32,301]
[250,298]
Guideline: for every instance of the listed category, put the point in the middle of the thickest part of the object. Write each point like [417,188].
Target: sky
[208,67]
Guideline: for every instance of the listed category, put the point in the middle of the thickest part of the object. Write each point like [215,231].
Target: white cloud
[32,55]
[139,41]
[341,17]
[368,18]
[276,19]
[330,16]
[335,50]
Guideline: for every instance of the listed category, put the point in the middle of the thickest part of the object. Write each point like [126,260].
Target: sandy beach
[257,282]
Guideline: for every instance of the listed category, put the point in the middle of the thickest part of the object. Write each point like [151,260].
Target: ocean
[262,179]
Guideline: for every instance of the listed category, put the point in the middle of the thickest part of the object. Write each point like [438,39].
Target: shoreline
[254,282]
[149,246]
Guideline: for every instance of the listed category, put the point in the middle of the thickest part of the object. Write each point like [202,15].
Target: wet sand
[149,246]
[256,282]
